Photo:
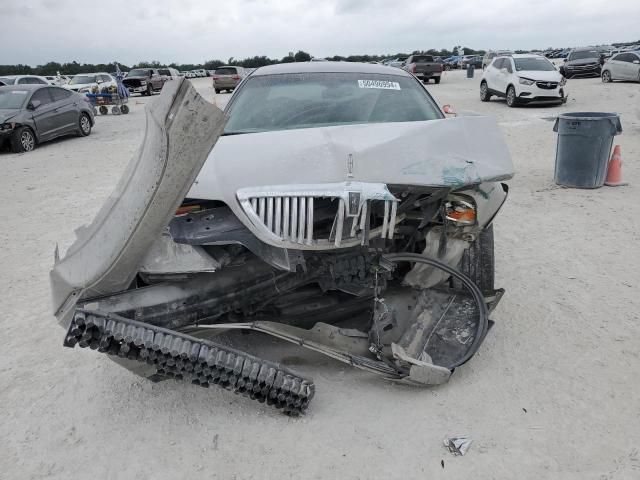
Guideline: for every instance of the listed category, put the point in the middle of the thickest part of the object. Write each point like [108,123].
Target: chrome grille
[547,85]
[345,210]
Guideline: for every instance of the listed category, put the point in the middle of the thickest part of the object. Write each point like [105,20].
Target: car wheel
[23,140]
[511,96]
[478,262]
[485,96]
[606,76]
[437,80]
[84,125]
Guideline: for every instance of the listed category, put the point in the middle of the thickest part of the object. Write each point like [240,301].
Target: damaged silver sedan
[332,205]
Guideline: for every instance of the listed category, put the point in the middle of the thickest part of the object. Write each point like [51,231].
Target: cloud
[192,31]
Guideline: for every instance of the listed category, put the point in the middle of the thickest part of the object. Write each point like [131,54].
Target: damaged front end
[370,244]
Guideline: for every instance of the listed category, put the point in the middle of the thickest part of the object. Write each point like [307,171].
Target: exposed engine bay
[391,273]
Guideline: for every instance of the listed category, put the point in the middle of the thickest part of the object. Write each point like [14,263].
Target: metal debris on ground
[458,445]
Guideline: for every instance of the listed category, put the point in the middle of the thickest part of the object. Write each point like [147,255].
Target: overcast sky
[192,31]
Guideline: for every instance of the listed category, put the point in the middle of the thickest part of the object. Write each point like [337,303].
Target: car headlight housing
[143,82]
[4,127]
[460,210]
[526,81]
[563,82]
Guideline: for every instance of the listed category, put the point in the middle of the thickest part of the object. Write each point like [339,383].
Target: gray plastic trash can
[470,70]
[584,146]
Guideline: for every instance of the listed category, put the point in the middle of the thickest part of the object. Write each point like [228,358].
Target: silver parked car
[622,66]
[33,114]
[337,209]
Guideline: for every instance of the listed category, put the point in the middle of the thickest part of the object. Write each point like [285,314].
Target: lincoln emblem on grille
[350,165]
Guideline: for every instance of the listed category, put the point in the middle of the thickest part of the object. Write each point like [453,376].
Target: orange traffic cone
[614,172]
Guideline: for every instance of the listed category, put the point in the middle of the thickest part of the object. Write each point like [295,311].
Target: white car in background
[85,82]
[523,79]
[23,80]
[622,66]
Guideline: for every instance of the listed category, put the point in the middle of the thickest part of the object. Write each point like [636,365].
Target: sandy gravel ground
[553,393]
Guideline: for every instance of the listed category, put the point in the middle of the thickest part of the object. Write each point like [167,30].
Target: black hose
[483,321]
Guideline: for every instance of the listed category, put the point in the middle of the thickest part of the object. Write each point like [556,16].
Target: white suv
[523,79]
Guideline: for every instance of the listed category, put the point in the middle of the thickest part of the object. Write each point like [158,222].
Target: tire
[124,109]
[437,80]
[84,125]
[485,96]
[103,110]
[606,77]
[478,262]
[23,140]
[512,100]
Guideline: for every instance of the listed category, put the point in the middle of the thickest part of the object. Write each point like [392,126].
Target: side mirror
[448,110]
[33,104]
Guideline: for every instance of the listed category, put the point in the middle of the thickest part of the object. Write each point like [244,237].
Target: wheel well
[511,86]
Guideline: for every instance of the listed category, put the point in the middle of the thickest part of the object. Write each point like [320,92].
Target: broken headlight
[460,210]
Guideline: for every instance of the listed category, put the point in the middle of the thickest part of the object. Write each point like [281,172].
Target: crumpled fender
[181,130]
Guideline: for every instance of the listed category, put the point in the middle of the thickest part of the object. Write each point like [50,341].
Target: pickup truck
[424,67]
[144,81]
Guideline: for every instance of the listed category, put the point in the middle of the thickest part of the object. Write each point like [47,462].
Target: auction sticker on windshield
[382,84]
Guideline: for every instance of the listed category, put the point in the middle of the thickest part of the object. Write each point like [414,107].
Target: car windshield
[304,100]
[12,99]
[82,79]
[7,81]
[583,54]
[540,64]
[138,72]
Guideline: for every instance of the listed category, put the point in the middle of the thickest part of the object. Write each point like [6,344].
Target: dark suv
[144,81]
[582,62]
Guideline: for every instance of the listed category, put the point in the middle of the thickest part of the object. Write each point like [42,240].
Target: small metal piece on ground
[458,445]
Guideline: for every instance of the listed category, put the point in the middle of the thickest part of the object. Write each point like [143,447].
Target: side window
[42,96]
[507,65]
[498,64]
[626,57]
[60,94]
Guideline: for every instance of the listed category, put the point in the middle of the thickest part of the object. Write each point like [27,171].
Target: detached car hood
[181,129]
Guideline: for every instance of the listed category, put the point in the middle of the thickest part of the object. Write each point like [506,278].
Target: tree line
[73,68]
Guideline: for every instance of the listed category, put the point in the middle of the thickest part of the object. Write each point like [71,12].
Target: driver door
[45,114]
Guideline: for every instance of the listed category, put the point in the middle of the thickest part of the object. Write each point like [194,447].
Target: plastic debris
[458,445]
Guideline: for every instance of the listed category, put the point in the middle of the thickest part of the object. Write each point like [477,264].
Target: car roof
[329,67]
[27,86]
[22,76]
[526,55]
[92,73]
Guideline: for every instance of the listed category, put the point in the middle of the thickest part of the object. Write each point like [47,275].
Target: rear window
[422,59]
[164,71]
[305,100]
[226,71]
